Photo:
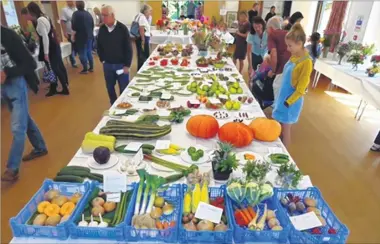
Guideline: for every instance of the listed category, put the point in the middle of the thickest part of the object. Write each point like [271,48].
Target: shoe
[34,154]
[375,148]
[64,92]
[91,70]
[10,175]
[74,66]
[83,72]
[52,90]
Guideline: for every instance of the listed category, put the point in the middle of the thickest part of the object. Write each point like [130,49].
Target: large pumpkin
[203,126]
[238,134]
[265,129]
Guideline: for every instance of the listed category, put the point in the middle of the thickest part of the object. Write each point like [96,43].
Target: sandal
[375,148]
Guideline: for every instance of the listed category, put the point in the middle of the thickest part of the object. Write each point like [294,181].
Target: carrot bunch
[244,215]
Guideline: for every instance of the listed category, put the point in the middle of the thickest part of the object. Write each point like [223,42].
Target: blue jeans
[85,55]
[15,94]
[142,55]
[73,53]
[111,77]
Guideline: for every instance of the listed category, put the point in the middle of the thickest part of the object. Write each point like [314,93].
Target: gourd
[265,129]
[42,205]
[52,210]
[237,134]
[203,126]
[67,208]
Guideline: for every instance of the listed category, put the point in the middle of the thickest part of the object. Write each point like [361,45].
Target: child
[262,85]
[241,40]
[314,47]
[295,80]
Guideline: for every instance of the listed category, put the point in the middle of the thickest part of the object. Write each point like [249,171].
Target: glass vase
[340,59]
[325,52]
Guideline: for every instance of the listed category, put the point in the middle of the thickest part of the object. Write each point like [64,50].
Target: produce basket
[333,232]
[110,232]
[207,236]
[244,234]
[19,225]
[171,195]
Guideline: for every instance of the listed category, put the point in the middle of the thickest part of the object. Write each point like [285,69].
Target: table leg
[358,109]
[362,112]
[315,79]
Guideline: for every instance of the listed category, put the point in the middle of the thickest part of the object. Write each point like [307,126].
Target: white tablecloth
[179,136]
[355,82]
[160,37]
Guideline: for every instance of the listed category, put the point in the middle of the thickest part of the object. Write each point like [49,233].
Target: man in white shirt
[66,17]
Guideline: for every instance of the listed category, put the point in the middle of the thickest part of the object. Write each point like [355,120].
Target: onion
[190,226]
[205,225]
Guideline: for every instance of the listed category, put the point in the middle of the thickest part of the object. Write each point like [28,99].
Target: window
[10,13]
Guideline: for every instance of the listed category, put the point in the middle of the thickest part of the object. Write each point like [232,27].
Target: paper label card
[114,182]
[214,100]
[166,96]
[194,101]
[209,212]
[139,156]
[131,118]
[223,96]
[305,221]
[162,144]
[175,105]
[113,197]
[163,113]
[275,150]
[133,146]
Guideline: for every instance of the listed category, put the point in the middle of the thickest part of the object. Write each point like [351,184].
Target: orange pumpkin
[203,126]
[238,134]
[265,129]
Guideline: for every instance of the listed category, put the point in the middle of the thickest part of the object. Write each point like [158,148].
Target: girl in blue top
[257,44]
[314,47]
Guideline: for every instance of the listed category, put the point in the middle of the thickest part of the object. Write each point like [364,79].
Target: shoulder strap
[302,59]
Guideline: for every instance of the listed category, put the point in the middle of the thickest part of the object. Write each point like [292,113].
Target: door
[51,10]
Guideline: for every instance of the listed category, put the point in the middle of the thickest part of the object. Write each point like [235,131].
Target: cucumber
[97,175]
[68,178]
[79,173]
[77,168]
[93,177]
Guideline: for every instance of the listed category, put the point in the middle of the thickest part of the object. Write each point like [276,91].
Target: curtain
[334,26]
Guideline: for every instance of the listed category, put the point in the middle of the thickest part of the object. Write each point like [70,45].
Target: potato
[220,227]
[97,201]
[53,220]
[271,214]
[109,206]
[323,221]
[313,209]
[273,222]
[156,213]
[310,202]
[277,228]
[97,210]
[59,200]
[51,194]
[40,220]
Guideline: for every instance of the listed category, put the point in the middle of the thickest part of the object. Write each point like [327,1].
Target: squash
[265,129]
[52,210]
[203,126]
[238,134]
[67,208]
[42,205]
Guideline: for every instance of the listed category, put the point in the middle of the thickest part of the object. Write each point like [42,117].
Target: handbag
[135,32]
[49,75]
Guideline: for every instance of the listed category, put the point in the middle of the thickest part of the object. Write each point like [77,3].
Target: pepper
[240,218]
[316,231]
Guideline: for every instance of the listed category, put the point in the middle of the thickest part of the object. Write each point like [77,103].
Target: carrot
[159,225]
[251,212]
[172,224]
[246,220]
[246,213]
[166,225]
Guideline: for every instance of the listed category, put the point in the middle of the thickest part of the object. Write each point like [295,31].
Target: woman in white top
[142,42]
[50,49]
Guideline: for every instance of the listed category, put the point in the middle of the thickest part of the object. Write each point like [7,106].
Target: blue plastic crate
[18,223]
[207,236]
[243,234]
[109,233]
[173,196]
[326,212]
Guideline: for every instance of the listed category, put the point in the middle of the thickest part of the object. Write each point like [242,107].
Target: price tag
[214,100]
[139,156]
[223,96]
[133,146]
[114,182]
[175,105]
[162,144]
[163,113]
[166,96]
[113,197]
[305,221]
[209,212]
[151,88]
[118,112]
[194,101]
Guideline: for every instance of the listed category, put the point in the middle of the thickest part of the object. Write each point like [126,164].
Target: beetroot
[101,155]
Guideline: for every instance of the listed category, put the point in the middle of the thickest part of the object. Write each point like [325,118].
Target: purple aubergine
[101,155]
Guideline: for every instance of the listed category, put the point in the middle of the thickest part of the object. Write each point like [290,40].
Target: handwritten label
[131,118]
[305,221]
[114,182]
[209,212]
[139,156]
[223,96]
[275,150]
[133,146]
[214,100]
[113,197]
[194,101]
[166,96]
[162,144]
[163,113]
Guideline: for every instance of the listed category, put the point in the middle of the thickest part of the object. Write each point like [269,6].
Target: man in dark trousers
[17,71]
[114,51]
[83,27]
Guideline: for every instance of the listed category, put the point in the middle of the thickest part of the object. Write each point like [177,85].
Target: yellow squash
[187,202]
[196,198]
[204,193]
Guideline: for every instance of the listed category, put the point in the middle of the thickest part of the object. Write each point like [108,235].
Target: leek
[156,182]
[141,173]
[146,192]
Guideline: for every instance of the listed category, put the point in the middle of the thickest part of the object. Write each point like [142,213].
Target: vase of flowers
[355,59]
[326,42]
[160,24]
[375,68]
[343,49]
[368,50]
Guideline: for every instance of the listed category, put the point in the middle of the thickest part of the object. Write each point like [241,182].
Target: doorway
[50,8]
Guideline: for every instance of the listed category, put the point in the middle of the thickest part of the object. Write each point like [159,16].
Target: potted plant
[223,161]
[374,69]
[288,176]
[256,171]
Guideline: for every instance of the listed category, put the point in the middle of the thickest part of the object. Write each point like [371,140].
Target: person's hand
[66,36]
[250,71]
[126,70]
[3,77]
[47,58]
[271,74]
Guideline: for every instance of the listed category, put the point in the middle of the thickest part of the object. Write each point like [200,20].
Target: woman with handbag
[143,35]
[50,50]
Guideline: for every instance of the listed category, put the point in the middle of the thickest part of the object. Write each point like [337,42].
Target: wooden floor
[328,144]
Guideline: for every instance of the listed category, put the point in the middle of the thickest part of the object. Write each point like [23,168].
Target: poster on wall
[359,23]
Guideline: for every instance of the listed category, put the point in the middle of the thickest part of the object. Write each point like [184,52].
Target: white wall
[125,11]
[308,10]
[363,9]
[372,33]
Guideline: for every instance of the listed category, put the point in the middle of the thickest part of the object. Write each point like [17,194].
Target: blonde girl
[295,80]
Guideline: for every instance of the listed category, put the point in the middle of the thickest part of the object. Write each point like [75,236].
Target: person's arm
[63,23]
[142,24]
[24,62]
[43,28]
[267,17]
[272,48]
[128,50]
[302,82]
[249,51]
[100,45]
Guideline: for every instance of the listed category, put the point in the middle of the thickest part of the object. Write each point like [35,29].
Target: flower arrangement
[356,59]
[375,59]
[343,49]
[326,42]
[372,71]
[359,53]
[368,50]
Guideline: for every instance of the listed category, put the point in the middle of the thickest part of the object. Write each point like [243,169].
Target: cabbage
[252,193]
[266,191]
[236,191]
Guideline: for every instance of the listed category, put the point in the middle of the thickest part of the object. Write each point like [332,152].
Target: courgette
[79,173]
[68,178]
[146,148]
[73,167]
